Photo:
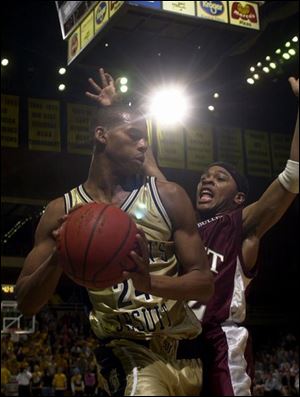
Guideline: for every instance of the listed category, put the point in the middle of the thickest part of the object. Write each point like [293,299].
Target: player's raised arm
[40,273]
[260,216]
[104,93]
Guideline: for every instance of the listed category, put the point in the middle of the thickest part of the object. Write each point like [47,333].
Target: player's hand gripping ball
[94,244]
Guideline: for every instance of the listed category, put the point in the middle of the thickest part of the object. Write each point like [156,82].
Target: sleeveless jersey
[222,237]
[123,312]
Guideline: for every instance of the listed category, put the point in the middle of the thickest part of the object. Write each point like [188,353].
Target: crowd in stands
[277,367]
[58,360]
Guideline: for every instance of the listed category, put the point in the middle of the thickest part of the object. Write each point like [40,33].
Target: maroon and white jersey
[222,237]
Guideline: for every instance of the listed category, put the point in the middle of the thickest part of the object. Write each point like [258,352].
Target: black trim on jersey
[155,201]
[127,203]
[82,196]
[69,195]
[85,192]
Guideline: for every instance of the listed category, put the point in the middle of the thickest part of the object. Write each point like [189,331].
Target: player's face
[127,144]
[216,191]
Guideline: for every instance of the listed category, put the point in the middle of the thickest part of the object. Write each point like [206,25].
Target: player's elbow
[24,304]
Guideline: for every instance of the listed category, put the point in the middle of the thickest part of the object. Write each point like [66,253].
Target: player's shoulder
[54,210]
[170,189]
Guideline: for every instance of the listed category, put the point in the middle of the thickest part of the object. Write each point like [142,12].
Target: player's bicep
[44,241]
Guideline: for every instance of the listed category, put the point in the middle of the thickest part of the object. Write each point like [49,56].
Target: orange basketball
[94,245]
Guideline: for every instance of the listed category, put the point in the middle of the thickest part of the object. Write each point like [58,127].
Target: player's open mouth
[205,196]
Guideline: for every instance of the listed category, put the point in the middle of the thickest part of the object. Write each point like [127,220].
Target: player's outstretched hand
[106,94]
[294,85]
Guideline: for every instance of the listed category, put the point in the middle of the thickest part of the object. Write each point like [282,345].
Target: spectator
[77,385]
[23,378]
[59,382]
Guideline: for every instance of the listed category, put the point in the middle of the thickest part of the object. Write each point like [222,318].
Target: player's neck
[104,183]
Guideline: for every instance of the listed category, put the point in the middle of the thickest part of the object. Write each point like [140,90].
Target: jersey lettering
[145,319]
[215,257]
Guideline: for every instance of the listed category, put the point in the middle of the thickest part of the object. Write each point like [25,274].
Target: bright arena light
[273,65]
[4,62]
[250,81]
[295,39]
[286,55]
[169,105]
[123,80]
[216,95]
[123,88]
[266,69]
[256,76]
[211,108]
[292,52]
[278,51]
[252,69]
[61,87]
[268,58]
[62,71]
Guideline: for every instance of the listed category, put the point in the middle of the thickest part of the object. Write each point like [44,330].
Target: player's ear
[100,135]
[239,198]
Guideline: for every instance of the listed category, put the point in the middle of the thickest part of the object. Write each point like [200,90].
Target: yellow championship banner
[244,14]
[114,6]
[199,147]
[258,153]
[43,125]
[170,146]
[87,30]
[78,128]
[213,10]
[9,120]
[230,146]
[74,45]
[182,7]
[280,148]
[100,15]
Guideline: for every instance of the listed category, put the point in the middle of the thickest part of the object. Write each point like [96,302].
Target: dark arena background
[250,123]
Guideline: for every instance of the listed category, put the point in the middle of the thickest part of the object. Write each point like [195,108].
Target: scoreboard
[82,21]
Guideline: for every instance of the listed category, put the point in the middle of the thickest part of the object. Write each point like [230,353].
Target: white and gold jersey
[123,312]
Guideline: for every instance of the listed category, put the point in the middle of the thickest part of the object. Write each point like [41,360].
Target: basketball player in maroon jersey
[231,233]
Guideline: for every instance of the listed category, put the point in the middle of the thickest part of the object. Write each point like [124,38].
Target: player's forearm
[195,285]
[294,154]
[33,291]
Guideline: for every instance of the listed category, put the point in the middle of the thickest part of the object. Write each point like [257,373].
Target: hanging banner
[170,146]
[258,153]
[199,147]
[213,10]
[43,125]
[78,128]
[244,14]
[9,120]
[280,148]
[230,146]
[182,7]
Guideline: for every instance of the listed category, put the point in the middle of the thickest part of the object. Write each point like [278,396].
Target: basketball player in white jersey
[149,335]
[231,234]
